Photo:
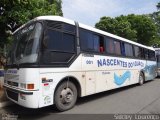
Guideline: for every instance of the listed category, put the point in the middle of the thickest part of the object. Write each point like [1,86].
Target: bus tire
[65,96]
[141,79]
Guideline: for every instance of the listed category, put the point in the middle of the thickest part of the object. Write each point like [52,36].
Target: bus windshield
[26,42]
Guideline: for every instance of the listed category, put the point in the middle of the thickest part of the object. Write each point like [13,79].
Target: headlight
[23,85]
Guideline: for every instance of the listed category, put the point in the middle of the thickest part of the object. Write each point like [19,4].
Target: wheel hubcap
[66,96]
[141,79]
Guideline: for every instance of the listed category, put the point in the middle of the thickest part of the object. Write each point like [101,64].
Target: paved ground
[129,100]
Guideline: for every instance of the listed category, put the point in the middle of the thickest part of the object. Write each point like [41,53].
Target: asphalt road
[128,100]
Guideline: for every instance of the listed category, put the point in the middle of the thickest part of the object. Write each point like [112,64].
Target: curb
[6,103]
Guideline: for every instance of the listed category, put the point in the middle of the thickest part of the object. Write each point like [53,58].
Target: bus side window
[123,49]
[128,50]
[151,55]
[136,51]
[146,53]
[96,40]
[86,40]
[98,43]
[139,52]
[90,41]
[117,48]
[101,47]
[113,46]
[109,45]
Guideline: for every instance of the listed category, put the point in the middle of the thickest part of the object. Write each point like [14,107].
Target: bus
[157,50]
[54,60]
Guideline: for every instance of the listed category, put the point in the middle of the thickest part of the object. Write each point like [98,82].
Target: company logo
[47,100]
[119,80]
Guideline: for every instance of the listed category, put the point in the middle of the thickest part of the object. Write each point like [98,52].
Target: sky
[89,12]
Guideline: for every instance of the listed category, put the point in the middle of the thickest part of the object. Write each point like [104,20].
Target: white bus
[157,50]
[55,60]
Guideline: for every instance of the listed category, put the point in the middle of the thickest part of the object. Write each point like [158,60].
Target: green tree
[155,16]
[139,28]
[158,6]
[14,13]
[145,27]
[117,26]
[106,24]
[123,29]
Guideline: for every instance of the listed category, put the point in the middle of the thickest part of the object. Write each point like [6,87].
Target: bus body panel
[150,70]
[94,78]
[17,81]
[23,76]
[95,71]
[106,72]
[24,99]
[53,79]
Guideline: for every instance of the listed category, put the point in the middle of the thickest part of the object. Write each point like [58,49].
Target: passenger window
[117,48]
[69,28]
[146,53]
[59,41]
[101,47]
[123,49]
[54,39]
[109,45]
[139,52]
[128,50]
[86,40]
[113,46]
[96,42]
[151,55]
[91,42]
[69,42]
[59,44]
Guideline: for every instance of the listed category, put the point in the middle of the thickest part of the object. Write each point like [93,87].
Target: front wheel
[65,96]
[141,79]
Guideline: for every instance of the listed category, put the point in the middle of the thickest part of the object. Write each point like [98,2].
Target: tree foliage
[14,13]
[145,27]
[139,28]
[155,16]
[118,26]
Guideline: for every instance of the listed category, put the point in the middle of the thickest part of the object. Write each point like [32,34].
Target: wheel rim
[141,79]
[66,96]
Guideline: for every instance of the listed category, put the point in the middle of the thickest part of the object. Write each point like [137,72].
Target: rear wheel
[141,79]
[65,96]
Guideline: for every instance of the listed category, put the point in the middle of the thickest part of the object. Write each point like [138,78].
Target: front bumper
[24,98]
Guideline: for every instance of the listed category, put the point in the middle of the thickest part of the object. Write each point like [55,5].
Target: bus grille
[11,77]
[12,95]
[12,83]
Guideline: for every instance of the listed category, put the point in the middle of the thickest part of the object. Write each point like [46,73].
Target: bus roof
[157,48]
[62,19]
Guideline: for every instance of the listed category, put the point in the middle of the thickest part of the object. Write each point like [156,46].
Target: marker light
[43,79]
[30,86]
[46,84]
